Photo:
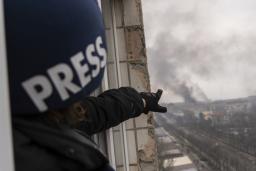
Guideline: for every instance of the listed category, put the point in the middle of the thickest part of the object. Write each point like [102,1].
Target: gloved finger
[159,94]
[161,109]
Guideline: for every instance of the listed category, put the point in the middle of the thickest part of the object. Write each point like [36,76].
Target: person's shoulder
[30,157]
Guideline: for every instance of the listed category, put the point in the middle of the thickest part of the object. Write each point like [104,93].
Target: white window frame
[122,127]
[109,132]
[6,147]
[119,83]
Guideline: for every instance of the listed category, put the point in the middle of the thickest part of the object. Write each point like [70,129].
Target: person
[56,57]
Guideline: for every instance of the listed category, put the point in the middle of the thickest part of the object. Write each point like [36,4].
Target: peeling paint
[148,153]
[147,156]
[139,77]
[135,42]
[137,60]
[132,52]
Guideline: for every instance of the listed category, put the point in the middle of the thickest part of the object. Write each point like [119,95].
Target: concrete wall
[131,51]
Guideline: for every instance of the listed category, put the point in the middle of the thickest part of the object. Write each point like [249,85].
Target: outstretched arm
[110,109]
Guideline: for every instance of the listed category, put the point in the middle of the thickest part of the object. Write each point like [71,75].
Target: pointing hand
[152,100]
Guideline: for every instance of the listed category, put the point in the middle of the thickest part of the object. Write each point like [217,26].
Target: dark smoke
[186,93]
[176,59]
[170,62]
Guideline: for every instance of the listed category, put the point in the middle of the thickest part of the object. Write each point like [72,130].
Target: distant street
[208,152]
[177,149]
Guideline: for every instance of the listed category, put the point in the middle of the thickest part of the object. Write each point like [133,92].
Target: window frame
[6,147]
[117,76]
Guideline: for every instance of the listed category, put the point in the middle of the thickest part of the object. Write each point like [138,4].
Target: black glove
[151,100]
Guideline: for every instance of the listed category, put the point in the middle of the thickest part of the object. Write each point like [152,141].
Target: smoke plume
[193,44]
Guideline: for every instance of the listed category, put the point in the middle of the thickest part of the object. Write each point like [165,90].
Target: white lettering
[38,88]
[101,51]
[81,70]
[65,83]
[93,60]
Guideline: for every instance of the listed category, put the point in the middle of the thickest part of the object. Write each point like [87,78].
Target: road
[206,151]
[167,142]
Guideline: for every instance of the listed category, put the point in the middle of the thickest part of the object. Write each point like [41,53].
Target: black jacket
[39,146]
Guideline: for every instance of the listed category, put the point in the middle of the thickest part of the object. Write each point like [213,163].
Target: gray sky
[207,46]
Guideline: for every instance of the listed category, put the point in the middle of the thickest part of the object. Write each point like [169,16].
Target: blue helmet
[56,52]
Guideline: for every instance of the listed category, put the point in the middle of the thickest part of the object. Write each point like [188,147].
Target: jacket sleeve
[110,109]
